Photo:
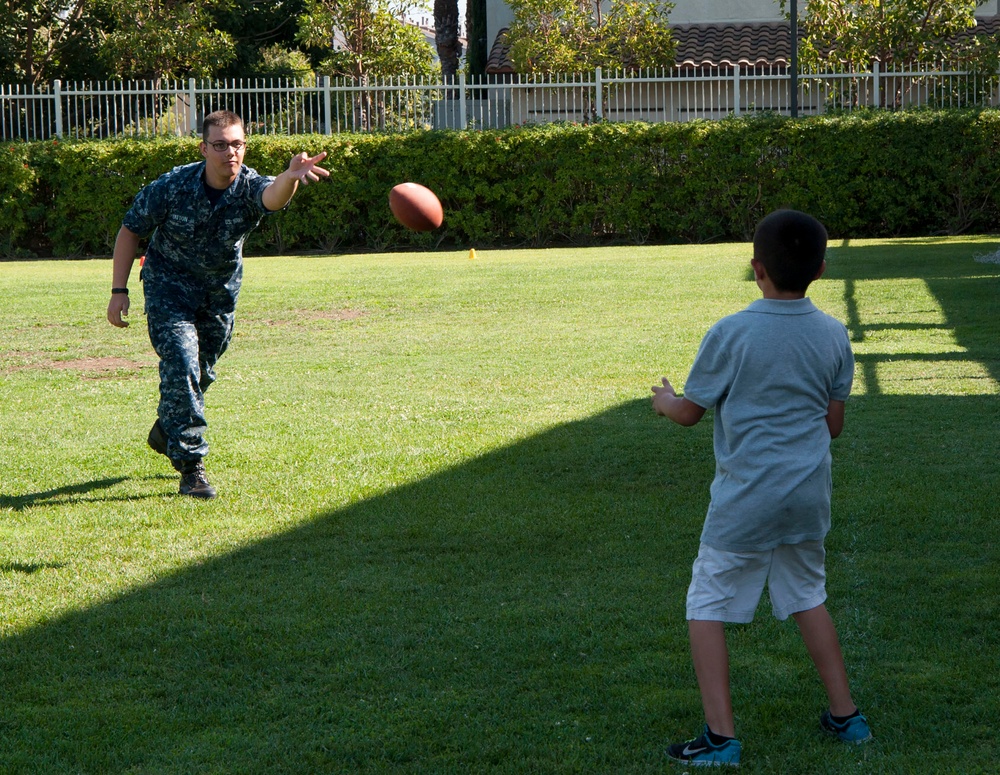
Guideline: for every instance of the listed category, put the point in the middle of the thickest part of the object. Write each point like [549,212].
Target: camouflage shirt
[192,240]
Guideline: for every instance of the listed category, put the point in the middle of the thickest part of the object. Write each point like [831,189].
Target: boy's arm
[835,418]
[301,169]
[667,403]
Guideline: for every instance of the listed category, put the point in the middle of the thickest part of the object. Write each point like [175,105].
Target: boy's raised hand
[661,395]
[667,403]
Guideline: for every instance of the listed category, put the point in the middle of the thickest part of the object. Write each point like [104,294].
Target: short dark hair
[220,118]
[791,246]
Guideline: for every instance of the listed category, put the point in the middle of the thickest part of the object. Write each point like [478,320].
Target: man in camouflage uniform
[196,218]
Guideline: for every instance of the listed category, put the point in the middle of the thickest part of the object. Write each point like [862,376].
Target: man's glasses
[222,145]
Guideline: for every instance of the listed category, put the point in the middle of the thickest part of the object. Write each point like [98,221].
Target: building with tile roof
[715,33]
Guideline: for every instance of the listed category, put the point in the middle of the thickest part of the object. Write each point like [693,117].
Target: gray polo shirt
[770,372]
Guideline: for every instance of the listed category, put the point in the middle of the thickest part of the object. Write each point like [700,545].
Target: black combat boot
[193,479]
[157,439]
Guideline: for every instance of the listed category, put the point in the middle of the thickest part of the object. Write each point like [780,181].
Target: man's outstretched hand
[306,168]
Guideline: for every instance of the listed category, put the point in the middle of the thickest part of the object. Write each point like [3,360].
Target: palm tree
[449,47]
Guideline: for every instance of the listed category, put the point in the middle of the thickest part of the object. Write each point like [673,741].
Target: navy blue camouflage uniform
[191,279]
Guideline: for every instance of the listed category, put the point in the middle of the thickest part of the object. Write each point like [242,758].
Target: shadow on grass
[57,495]
[74,493]
[965,290]
[479,616]
[28,568]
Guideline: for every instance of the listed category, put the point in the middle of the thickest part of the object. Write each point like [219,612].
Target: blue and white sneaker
[854,730]
[700,752]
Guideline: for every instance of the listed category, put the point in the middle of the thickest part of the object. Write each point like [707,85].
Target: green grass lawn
[452,536]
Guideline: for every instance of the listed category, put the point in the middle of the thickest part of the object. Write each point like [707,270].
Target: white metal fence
[142,109]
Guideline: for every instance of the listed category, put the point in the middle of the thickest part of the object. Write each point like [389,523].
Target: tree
[892,32]
[283,63]
[475,33]
[446,36]
[96,39]
[36,35]
[164,38]
[573,35]
[365,38]
[256,27]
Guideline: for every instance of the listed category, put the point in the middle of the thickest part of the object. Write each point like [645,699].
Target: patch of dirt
[89,368]
[97,364]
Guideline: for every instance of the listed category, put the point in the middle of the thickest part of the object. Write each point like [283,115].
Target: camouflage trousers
[189,328]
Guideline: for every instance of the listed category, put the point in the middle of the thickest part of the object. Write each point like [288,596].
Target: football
[416,207]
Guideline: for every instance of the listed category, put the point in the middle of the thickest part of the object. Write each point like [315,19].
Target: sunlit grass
[451,535]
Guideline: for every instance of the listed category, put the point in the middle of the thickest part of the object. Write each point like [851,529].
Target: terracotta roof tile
[698,45]
[986,26]
[498,62]
[751,44]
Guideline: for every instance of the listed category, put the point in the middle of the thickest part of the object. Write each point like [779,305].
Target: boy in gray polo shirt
[777,375]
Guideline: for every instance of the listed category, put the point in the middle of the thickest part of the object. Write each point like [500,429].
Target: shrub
[17,181]
[867,174]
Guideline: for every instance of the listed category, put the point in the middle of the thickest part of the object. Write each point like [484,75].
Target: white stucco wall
[498,16]
[701,11]
[498,13]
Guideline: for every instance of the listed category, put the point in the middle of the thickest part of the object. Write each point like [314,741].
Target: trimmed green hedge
[863,174]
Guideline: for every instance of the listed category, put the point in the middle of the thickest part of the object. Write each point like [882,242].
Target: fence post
[736,89]
[57,94]
[598,88]
[327,107]
[461,100]
[192,107]
[877,87]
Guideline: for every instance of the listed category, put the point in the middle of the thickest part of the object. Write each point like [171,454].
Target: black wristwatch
[120,290]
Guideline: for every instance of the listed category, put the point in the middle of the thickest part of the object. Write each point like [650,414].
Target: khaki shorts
[726,586]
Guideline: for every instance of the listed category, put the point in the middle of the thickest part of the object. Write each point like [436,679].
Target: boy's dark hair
[791,246]
[220,118]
